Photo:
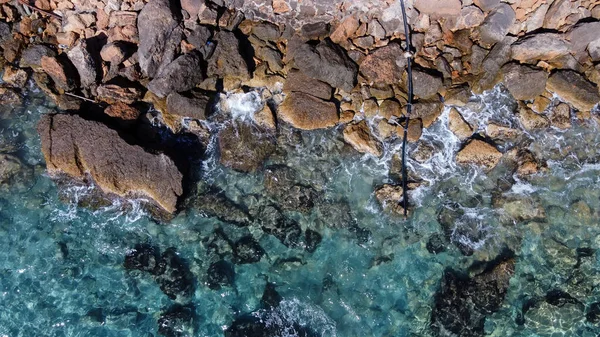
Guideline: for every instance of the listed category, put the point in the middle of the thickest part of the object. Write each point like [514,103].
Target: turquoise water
[62,266]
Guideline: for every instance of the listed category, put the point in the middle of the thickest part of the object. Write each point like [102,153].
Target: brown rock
[114,52]
[530,120]
[112,93]
[10,166]
[385,129]
[244,147]
[122,111]
[574,88]
[359,136]
[479,153]
[427,111]
[438,8]
[191,105]
[470,16]
[458,125]
[425,85]
[389,108]
[415,129]
[15,77]
[385,65]
[226,61]
[500,132]
[458,96]
[496,24]
[557,14]
[560,116]
[345,30]
[32,56]
[60,73]
[180,75]
[297,81]
[543,46]
[390,198]
[10,96]
[78,148]
[280,7]
[307,112]
[523,82]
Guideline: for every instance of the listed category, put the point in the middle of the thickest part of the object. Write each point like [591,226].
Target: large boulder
[543,46]
[160,35]
[524,82]
[384,65]
[79,148]
[297,81]
[362,140]
[327,62]
[307,112]
[574,88]
[479,153]
[180,75]
[496,24]
[227,61]
[582,36]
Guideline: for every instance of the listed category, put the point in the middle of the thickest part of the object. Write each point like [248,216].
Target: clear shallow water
[62,268]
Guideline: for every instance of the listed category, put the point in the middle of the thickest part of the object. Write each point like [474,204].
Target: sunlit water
[62,274]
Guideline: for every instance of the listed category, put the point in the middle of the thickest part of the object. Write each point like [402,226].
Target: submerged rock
[178,321]
[275,223]
[220,274]
[281,184]
[143,257]
[247,250]
[78,148]
[244,147]
[312,239]
[174,276]
[215,204]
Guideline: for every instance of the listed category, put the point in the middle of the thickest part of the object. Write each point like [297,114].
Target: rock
[32,56]
[439,9]
[247,250]
[327,62]
[178,321]
[10,166]
[226,61]
[143,257]
[496,24]
[500,132]
[560,116]
[112,93]
[10,96]
[345,30]
[307,112]
[427,111]
[273,222]
[584,36]
[594,50]
[312,240]
[214,203]
[174,276]
[230,19]
[78,148]
[524,82]
[462,302]
[490,69]
[458,125]
[270,297]
[84,63]
[199,36]
[282,186]
[244,147]
[115,52]
[180,75]
[384,65]
[574,88]
[297,81]
[271,56]
[522,209]
[15,77]
[557,13]
[531,120]
[160,36]
[486,5]
[314,31]
[542,46]
[266,31]
[220,274]
[192,105]
[122,111]
[60,72]
[425,85]
[479,153]
[415,129]
[390,197]
[470,17]
[360,137]
[436,244]
[457,96]
[193,7]
[390,108]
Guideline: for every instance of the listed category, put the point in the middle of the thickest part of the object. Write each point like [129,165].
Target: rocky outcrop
[79,148]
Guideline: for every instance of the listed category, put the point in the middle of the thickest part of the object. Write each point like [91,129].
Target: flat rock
[327,62]
[180,75]
[574,88]
[543,46]
[496,24]
[524,82]
[84,63]
[244,147]
[362,140]
[479,153]
[297,81]
[160,35]
[78,148]
[385,65]
[226,61]
[307,112]
[458,125]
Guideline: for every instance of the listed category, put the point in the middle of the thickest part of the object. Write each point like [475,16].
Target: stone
[77,147]
[312,240]
[226,61]
[266,31]
[314,31]
[180,75]
[390,108]
[112,93]
[458,96]
[542,46]
[437,8]
[531,120]
[384,65]
[159,34]
[496,24]
[390,198]
[122,111]
[574,88]
[177,321]
[271,56]
[345,29]
[470,17]
[522,209]
[244,147]
[199,36]
[594,50]
[230,19]
[282,185]
[362,140]
[458,125]
[479,153]
[273,222]
[427,111]
[425,85]
[114,52]
[193,7]
[220,274]
[560,116]
[247,250]
[174,276]
[191,105]
[524,82]
[490,73]
[415,129]
[10,166]
[84,63]
[15,77]
[32,56]
[327,62]
[436,244]
[297,81]
[500,132]
[60,72]
[486,5]
[143,257]
[281,7]
[557,14]
[307,112]
[582,37]
[214,203]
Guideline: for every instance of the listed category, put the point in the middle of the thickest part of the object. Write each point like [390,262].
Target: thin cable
[408,55]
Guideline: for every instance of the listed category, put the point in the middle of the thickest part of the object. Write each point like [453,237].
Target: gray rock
[524,82]
[32,56]
[582,36]
[84,63]
[297,81]
[9,167]
[226,61]
[327,62]
[486,5]
[199,36]
[426,85]
[544,46]
[192,105]
[496,24]
[160,36]
[266,31]
[271,56]
[574,88]
[180,75]
[490,68]
[4,31]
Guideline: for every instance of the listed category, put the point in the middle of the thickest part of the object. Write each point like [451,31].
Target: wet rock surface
[245,147]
